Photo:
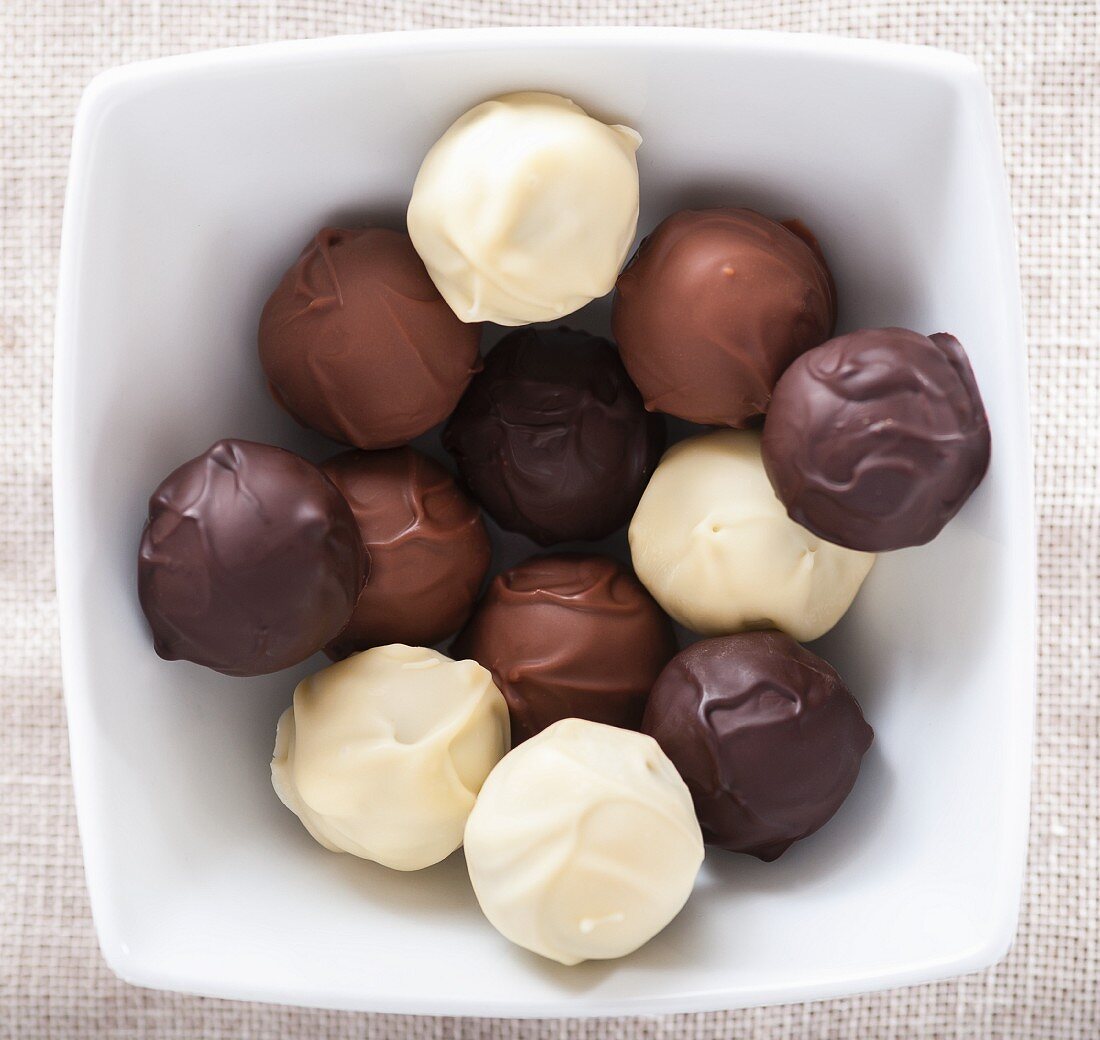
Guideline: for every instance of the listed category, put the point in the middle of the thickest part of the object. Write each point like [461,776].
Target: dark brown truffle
[714,306]
[765,734]
[250,560]
[553,438]
[428,548]
[357,343]
[876,439]
[569,637]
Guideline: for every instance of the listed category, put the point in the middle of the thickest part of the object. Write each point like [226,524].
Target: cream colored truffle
[716,548]
[382,755]
[583,843]
[525,208]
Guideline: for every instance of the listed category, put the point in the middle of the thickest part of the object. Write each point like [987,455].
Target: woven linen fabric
[1042,60]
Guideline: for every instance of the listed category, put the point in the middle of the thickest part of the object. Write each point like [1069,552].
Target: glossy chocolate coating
[765,734]
[250,560]
[357,343]
[714,306]
[876,439]
[569,637]
[552,437]
[428,547]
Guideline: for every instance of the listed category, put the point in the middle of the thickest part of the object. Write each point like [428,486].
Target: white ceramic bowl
[196,180]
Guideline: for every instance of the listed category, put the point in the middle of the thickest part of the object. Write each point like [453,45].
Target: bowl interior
[199,181]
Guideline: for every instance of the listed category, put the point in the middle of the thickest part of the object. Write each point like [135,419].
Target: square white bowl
[196,180]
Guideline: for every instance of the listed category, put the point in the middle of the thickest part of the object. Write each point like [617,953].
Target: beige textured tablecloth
[1042,59]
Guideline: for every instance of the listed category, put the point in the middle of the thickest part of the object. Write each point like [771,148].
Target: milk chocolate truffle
[428,547]
[714,306]
[553,438]
[765,734]
[250,560]
[583,843]
[357,344]
[383,755]
[569,636]
[524,210]
[716,549]
[876,439]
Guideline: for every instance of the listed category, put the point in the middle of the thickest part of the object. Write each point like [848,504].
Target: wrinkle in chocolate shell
[569,636]
[552,437]
[765,734]
[876,439]
[357,343]
[428,546]
[250,560]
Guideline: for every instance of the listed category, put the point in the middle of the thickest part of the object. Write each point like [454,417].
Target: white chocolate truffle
[382,755]
[716,548]
[583,843]
[525,208]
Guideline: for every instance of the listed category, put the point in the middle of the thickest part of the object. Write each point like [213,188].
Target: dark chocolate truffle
[714,306]
[765,734]
[428,547]
[552,436]
[569,637]
[357,343]
[876,439]
[250,560]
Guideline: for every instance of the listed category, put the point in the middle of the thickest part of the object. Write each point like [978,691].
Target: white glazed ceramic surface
[196,181]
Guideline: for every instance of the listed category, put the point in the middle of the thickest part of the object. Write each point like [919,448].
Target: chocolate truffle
[250,560]
[428,548]
[357,344]
[552,436]
[765,734]
[876,439]
[714,306]
[382,755]
[569,636]
[714,546]
[583,843]
[524,210]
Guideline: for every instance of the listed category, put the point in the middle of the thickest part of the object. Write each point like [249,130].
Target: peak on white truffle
[382,755]
[583,843]
[718,552]
[525,208]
